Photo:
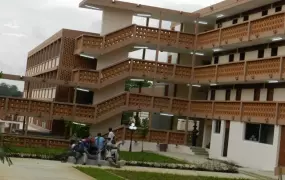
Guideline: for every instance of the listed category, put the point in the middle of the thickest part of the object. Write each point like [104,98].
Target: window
[228,94]
[264,13]
[220,25]
[235,21]
[217,126]
[213,95]
[245,18]
[216,60]
[238,95]
[242,56]
[270,94]
[262,133]
[256,95]
[278,9]
[261,53]
[274,51]
[231,58]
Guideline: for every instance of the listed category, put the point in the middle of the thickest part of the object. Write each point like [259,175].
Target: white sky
[26,23]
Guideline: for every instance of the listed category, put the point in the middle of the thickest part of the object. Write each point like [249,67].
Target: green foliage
[136,84]
[126,117]
[9,90]
[3,152]
[1,74]
[78,130]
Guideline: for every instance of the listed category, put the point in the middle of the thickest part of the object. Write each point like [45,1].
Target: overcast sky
[26,23]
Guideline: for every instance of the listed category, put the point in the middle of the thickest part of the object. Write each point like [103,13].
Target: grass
[148,157]
[109,174]
[37,150]
[124,155]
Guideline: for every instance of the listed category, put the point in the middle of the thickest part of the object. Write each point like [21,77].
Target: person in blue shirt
[100,145]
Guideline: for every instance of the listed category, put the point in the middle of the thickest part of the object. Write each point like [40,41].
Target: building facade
[224,71]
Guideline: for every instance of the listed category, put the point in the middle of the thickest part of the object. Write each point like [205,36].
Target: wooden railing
[153,135]
[246,71]
[259,112]
[30,141]
[267,26]
[133,34]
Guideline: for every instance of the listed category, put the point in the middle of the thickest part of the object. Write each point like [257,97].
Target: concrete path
[261,175]
[32,169]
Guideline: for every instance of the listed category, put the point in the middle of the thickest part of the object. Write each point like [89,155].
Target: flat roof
[167,14]
[229,8]
[62,33]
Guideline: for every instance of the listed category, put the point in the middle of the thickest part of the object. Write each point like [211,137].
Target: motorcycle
[112,155]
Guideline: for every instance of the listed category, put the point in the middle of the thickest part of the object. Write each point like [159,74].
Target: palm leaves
[3,152]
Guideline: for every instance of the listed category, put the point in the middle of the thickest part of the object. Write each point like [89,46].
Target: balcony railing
[265,27]
[259,112]
[134,34]
[133,68]
[29,141]
[154,135]
[238,72]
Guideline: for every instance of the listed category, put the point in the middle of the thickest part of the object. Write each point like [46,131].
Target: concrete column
[115,19]
[112,20]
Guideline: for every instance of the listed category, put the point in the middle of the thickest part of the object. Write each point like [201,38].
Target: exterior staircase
[199,151]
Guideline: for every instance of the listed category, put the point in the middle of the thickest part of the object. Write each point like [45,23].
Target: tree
[144,129]
[9,90]
[136,84]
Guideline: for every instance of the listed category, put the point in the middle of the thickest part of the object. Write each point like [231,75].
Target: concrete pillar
[115,19]
[112,20]
[2,127]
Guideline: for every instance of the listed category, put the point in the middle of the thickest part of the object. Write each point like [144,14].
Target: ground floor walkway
[33,169]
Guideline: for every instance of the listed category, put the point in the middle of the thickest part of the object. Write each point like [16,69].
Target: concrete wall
[149,146]
[105,125]
[248,95]
[252,154]
[245,153]
[115,19]
[250,55]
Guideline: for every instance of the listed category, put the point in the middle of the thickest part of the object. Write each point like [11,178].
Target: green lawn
[108,174]
[37,150]
[124,155]
[148,157]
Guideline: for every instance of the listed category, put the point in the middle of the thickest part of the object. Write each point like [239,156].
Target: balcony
[154,135]
[133,68]
[258,112]
[135,35]
[246,33]
[260,70]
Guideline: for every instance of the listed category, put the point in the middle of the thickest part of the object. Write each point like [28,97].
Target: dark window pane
[252,132]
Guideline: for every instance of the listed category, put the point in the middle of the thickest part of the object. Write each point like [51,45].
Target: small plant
[1,74]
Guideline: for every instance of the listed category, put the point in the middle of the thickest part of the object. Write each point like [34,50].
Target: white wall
[114,19]
[217,142]
[252,154]
[245,153]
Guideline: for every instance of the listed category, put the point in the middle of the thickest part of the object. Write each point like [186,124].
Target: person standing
[111,135]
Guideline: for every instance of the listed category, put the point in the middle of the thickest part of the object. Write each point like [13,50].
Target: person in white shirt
[111,135]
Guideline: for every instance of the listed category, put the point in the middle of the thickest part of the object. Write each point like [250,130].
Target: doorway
[226,139]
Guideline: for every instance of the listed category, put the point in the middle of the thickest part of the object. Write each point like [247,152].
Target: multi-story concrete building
[225,70]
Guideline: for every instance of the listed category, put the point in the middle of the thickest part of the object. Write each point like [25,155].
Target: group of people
[91,145]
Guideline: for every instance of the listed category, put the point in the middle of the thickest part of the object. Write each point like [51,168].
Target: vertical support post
[157,51]
[25,121]
[192,74]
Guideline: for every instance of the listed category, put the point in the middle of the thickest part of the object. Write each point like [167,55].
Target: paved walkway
[32,169]
[267,175]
